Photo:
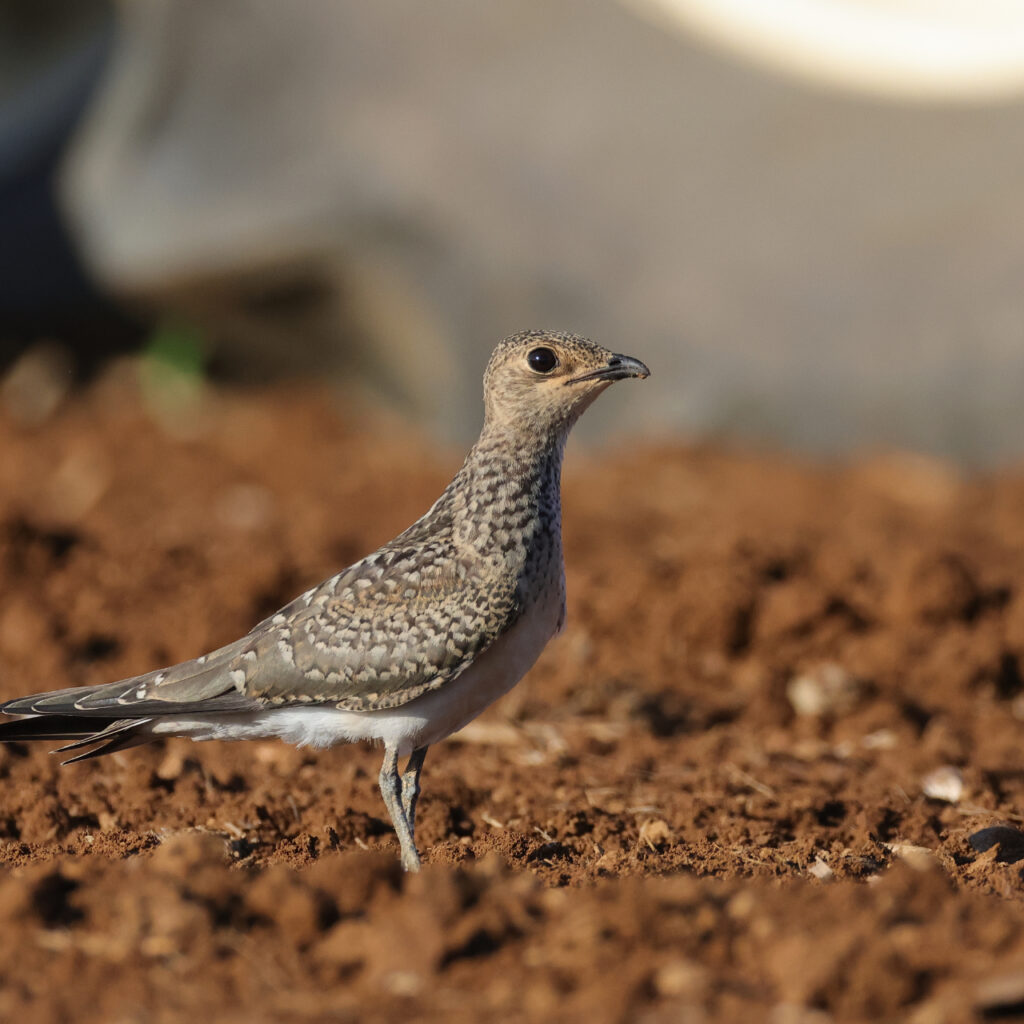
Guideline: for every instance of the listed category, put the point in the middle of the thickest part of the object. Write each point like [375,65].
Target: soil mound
[771,771]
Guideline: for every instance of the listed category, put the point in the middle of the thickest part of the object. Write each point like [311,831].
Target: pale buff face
[542,381]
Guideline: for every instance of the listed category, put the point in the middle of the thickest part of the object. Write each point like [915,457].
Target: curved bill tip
[627,366]
[618,367]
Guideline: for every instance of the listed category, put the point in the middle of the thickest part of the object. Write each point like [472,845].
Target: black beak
[618,368]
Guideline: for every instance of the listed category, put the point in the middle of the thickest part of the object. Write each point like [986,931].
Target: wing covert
[378,635]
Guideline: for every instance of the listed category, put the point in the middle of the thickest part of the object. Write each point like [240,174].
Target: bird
[407,645]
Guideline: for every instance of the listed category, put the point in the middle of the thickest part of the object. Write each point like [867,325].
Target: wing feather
[404,621]
[204,683]
[380,635]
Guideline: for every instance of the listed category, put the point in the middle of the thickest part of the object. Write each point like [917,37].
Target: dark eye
[543,360]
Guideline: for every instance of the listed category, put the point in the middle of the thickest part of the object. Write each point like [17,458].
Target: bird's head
[542,381]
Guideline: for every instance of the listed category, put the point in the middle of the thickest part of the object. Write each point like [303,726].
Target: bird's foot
[410,859]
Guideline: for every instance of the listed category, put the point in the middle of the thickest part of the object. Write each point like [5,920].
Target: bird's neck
[522,462]
[508,489]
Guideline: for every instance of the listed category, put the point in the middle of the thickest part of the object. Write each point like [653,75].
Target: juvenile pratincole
[411,643]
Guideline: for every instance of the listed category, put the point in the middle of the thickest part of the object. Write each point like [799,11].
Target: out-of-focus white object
[945,783]
[926,50]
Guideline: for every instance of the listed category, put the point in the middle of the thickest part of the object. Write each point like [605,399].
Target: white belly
[420,723]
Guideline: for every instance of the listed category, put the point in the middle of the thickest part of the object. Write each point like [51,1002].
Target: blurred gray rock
[393,186]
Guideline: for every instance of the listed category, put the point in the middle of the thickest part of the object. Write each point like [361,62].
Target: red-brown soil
[707,801]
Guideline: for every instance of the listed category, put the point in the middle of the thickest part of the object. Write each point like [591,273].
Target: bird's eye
[543,360]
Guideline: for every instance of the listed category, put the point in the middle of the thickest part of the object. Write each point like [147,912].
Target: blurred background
[807,216]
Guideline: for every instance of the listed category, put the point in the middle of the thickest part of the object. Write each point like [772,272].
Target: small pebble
[920,858]
[880,739]
[402,983]
[1005,992]
[827,689]
[678,977]
[945,783]
[820,870]
[1009,840]
[655,832]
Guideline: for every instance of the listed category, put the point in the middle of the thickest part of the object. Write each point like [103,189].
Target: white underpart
[421,722]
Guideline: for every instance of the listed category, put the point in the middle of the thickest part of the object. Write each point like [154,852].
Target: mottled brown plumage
[412,641]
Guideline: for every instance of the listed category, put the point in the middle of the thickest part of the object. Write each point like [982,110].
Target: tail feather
[116,728]
[110,734]
[114,716]
[51,727]
[130,736]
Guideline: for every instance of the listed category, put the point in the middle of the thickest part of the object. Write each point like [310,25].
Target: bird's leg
[411,786]
[390,789]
